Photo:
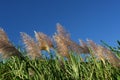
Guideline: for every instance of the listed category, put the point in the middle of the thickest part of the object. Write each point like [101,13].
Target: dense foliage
[67,59]
[58,69]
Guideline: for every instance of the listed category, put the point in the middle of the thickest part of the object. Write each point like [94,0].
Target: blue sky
[93,19]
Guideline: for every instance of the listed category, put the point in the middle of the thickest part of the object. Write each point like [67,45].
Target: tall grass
[55,69]
[103,62]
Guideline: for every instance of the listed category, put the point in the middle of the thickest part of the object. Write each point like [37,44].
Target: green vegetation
[64,61]
[58,69]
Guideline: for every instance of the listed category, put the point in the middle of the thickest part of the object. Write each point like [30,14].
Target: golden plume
[62,32]
[62,48]
[32,48]
[3,35]
[84,46]
[44,42]
[6,48]
[103,53]
[65,36]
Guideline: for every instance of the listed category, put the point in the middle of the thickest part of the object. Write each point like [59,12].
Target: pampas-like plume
[98,50]
[6,48]
[77,48]
[62,38]
[62,32]
[103,53]
[84,46]
[65,36]
[44,42]
[31,47]
[3,35]
[62,48]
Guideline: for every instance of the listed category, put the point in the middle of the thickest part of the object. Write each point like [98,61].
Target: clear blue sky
[93,19]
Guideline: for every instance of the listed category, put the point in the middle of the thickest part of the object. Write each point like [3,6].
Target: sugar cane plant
[98,63]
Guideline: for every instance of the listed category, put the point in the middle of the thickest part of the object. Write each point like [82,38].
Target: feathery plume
[3,35]
[64,35]
[62,48]
[44,41]
[6,48]
[62,32]
[76,48]
[97,50]
[103,53]
[31,47]
[84,46]
[112,57]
